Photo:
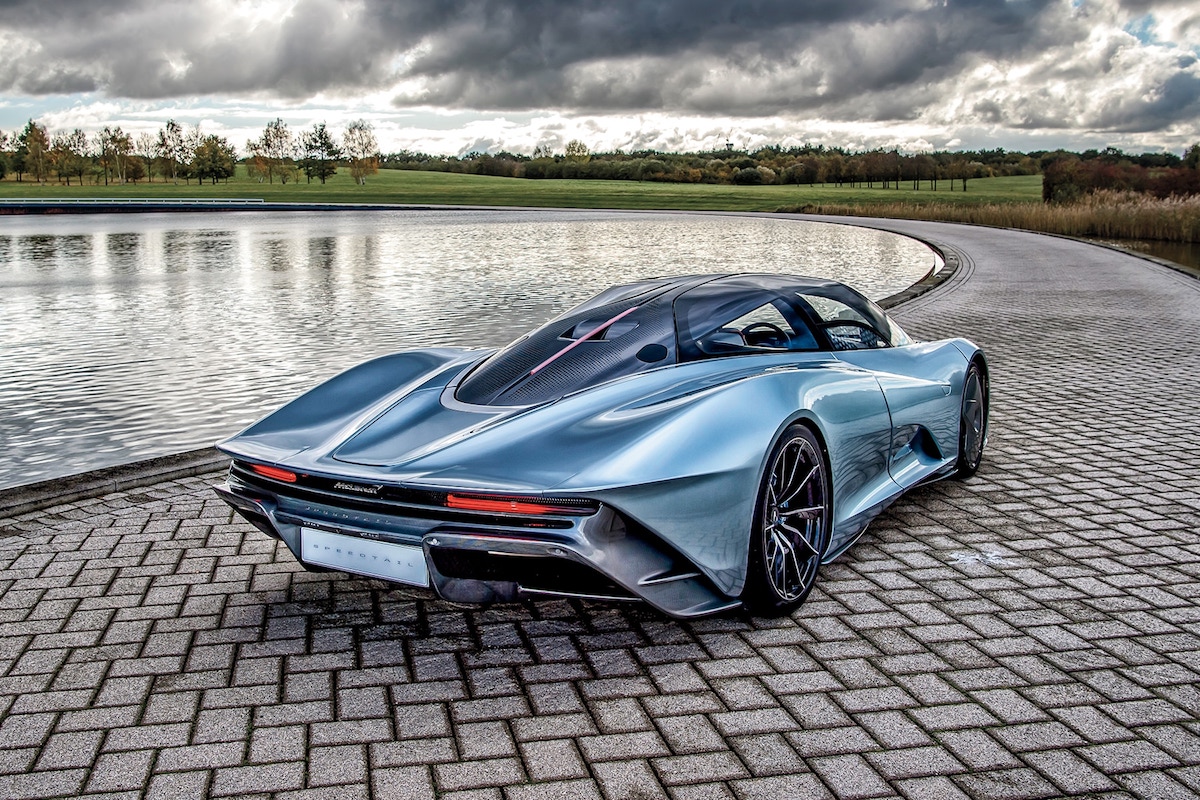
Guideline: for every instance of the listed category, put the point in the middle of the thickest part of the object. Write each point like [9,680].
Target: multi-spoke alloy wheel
[972,431]
[791,526]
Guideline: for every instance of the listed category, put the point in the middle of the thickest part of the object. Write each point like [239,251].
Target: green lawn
[397,186]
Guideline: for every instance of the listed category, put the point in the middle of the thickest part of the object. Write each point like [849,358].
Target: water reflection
[129,336]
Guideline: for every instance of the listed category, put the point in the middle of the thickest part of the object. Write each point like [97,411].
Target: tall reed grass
[1108,215]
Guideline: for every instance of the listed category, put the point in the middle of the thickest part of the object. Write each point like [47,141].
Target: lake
[129,336]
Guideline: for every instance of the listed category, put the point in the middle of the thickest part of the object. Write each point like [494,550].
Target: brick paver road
[1032,632]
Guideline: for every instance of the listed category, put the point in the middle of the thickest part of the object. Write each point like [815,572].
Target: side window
[852,336]
[763,328]
[827,309]
[846,327]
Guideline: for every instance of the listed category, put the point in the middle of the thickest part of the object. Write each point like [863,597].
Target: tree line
[807,164]
[175,153]
[1067,177]
[112,156]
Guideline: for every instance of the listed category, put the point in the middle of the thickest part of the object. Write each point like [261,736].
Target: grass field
[407,187]
[1013,202]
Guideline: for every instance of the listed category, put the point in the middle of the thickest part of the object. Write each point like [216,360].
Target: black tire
[972,422]
[792,520]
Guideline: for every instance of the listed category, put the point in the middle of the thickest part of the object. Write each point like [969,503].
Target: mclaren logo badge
[358,488]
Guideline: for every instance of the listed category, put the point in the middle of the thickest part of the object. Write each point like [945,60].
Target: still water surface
[130,336]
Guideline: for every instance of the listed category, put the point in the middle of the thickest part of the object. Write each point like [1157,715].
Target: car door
[919,384]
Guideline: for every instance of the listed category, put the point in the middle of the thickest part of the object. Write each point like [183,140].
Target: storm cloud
[1107,65]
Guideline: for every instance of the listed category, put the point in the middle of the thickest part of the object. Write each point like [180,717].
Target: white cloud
[678,74]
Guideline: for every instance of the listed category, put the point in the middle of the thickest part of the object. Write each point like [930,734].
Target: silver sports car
[696,443]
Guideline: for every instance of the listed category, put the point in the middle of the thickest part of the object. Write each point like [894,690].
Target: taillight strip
[274,473]
[496,504]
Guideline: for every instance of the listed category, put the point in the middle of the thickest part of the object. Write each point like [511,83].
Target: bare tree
[171,149]
[122,149]
[81,152]
[113,149]
[274,152]
[192,139]
[68,153]
[146,148]
[256,164]
[578,151]
[362,151]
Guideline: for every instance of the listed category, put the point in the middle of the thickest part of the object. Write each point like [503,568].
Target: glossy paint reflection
[130,336]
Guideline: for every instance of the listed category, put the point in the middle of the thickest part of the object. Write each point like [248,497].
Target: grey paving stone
[20,730]
[406,783]
[628,780]
[914,762]
[939,788]
[804,785]
[620,716]
[1007,785]
[267,778]
[701,791]
[42,784]
[893,729]
[65,750]
[978,750]
[117,771]
[699,768]
[199,757]
[333,766]
[479,774]
[1036,736]
[691,734]
[15,760]
[767,754]
[581,789]
[553,760]
[178,786]
[1069,772]
[1134,756]
[1156,784]
[278,744]
[851,776]
[484,740]
[622,746]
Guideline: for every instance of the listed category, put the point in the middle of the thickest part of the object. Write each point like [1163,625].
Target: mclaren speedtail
[697,443]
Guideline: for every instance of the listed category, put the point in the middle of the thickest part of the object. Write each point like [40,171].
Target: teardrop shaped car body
[696,443]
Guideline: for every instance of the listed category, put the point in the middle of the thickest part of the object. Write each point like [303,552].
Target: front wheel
[972,425]
[791,525]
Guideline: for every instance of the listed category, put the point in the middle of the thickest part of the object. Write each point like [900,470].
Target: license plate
[402,563]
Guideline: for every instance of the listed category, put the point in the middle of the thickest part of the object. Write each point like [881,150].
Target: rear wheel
[791,524]
[972,426]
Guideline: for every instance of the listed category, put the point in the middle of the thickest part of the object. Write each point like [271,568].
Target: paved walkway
[1033,632]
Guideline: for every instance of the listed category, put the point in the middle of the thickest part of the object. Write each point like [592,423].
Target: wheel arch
[753,594]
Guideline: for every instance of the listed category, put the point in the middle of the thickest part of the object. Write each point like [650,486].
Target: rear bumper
[601,556]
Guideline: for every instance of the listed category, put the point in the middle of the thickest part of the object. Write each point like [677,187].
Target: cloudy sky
[451,76]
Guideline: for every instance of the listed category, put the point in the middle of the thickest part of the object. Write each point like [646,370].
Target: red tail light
[274,473]
[494,504]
